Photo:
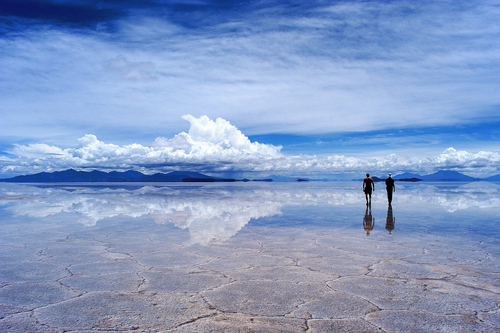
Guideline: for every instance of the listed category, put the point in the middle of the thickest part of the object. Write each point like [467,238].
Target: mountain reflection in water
[217,212]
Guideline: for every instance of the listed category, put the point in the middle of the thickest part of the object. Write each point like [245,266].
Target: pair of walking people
[369,187]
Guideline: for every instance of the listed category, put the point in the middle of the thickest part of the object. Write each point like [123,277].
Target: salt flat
[249,258]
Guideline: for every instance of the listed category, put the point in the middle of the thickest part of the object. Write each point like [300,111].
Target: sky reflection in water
[78,258]
[217,212]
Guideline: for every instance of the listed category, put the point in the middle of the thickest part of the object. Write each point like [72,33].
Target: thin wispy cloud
[135,71]
[127,71]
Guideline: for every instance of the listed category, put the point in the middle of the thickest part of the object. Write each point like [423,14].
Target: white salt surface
[249,257]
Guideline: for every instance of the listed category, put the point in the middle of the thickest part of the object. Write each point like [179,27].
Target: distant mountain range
[115,176]
[440,176]
[187,176]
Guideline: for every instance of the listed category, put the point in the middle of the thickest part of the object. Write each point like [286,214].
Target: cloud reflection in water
[218,212]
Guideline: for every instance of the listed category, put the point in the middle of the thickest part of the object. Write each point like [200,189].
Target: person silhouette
[390,187]
[368,220]
[390,220]
[368,188]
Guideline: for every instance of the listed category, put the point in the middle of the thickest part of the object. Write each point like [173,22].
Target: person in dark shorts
[390,187]
[368,188]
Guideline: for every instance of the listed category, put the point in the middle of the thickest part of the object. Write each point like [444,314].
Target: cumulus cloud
[216,136]
[452,158]
[218,146]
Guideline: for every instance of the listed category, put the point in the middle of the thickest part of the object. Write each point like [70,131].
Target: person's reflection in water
[368,220]
[390,220]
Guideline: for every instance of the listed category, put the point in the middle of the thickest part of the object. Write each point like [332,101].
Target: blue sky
[314,87]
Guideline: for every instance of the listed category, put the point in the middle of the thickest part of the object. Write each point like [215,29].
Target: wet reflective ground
[249,257]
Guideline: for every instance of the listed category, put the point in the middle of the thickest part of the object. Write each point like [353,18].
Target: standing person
[389,186]
[368,188]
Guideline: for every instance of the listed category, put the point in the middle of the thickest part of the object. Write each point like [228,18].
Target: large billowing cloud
[209,145]
[218,146]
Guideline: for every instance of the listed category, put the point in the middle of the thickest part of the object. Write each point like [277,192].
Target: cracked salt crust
[128,274]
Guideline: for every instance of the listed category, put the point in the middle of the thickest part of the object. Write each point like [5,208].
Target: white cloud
[348,67]
[220,134]
[179,141]
[38,151]
[452,158]
[218,146]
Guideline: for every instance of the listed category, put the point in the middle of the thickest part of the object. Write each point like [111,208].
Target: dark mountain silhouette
[96,176]
[77,176]
[114,176]
[177,176]
[408,177]
[377,179]
[440,176]
[495,178]
[447,175]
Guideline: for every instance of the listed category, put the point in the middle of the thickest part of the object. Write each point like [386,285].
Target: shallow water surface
[249,257]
